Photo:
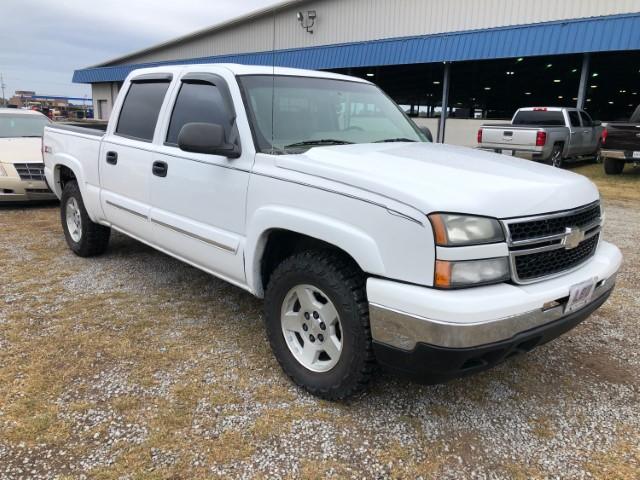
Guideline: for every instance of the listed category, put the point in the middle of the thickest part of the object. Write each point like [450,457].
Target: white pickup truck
[370,245]
[547,134]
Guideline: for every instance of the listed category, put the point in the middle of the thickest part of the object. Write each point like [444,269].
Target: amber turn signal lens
[439,229]
[443,274]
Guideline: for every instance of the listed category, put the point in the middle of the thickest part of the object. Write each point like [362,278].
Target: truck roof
[238,69]
[546,109]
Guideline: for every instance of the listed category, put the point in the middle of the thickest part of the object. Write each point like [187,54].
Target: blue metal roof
[596,34]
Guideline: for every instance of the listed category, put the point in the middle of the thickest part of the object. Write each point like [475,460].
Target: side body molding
[354,241]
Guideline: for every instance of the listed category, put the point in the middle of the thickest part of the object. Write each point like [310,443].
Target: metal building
[463,59]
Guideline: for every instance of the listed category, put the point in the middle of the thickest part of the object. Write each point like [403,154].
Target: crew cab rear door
[126,158]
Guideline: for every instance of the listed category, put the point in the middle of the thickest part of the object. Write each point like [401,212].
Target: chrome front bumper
[405,331]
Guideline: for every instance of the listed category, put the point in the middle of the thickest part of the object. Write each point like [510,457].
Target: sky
[43,41]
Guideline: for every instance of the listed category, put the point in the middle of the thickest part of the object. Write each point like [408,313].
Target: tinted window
[539,117]
[586,119]
[197,102]
[574,118]
[140,110]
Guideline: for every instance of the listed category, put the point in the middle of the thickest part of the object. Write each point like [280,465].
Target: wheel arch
[277,232]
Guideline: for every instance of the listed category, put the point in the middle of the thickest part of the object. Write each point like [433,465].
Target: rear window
[22,125]
[574,118]
[539,117]
[140,110]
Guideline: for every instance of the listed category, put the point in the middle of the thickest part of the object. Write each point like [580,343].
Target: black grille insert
[30,171]
[553,226]
[535,265]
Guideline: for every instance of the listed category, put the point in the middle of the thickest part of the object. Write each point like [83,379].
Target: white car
[21,166]
[369,244]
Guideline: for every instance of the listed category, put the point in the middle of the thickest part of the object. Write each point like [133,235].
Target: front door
[575,137]
[125,158]
[198,200]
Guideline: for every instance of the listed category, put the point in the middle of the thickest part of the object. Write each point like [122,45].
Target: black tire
[94,238]
[555,159]
[597,158]
[344,284]
[613,166]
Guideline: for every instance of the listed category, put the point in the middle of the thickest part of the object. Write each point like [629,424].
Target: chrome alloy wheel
[74,219]
[556,158]
[311,328]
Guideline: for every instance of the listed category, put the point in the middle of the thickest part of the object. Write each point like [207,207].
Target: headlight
[469,273]
[3,172]
[452,230]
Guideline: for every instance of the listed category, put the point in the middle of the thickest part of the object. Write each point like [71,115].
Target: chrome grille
[545,246]
[30,171]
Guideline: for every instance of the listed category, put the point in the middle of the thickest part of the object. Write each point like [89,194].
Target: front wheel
[317,321]
[84,237]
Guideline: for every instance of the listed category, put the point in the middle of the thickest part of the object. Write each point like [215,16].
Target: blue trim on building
[597,34]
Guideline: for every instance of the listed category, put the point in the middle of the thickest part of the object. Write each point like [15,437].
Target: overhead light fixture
[527,93]
[520,59]
[634,93]
[588,99]
[610,103]
[370,74]
[574,70]
[560,97]
[510,73]
[436,82]
[487,88]
[595,74]
[557,80]
[623,91]
[549,65]
[594,86]
[574,98]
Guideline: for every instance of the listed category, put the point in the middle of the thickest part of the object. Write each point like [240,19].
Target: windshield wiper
[324,141]
[400,139]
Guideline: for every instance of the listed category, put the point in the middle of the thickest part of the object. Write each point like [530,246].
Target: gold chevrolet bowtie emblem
[573,237]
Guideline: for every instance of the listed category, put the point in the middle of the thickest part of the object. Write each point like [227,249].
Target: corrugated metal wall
[341,21]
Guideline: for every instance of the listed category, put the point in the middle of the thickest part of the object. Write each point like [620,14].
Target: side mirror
[427,133]
[208,138]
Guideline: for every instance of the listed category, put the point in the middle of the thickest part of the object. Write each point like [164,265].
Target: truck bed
[96,128]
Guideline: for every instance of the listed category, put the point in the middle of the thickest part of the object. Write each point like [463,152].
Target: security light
[300,16]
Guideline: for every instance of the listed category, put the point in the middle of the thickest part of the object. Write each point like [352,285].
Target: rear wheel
[613,166]
[597,158]
[556,160]
[84,237]
[317,321]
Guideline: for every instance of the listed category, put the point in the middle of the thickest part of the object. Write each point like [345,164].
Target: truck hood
[21,150]
[435,177]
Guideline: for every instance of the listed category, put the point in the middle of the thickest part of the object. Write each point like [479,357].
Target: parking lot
[135,363]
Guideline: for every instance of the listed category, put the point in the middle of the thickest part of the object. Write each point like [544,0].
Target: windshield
[293,114]
[12,125]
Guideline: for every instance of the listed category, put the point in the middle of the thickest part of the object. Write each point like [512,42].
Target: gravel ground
[136,365]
